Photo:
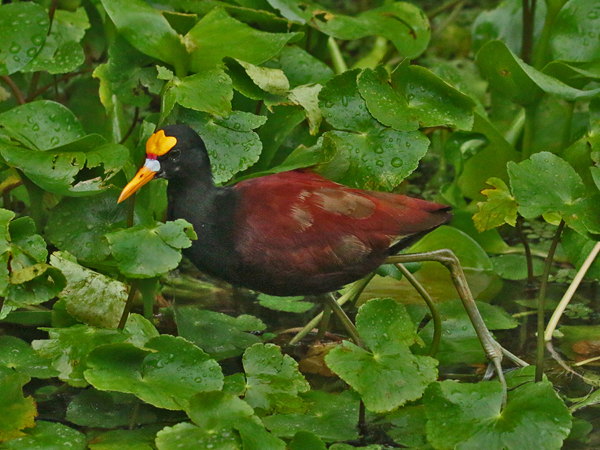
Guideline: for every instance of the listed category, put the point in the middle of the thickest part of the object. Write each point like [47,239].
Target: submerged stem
[539,365]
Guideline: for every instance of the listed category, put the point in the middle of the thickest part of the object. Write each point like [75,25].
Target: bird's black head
[188,157]
[175,152]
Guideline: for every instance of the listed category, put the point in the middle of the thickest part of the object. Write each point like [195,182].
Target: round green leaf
[575,31]
[147,30]
[332,417]
[219,335]
[272,379]
[389,375]
[218,35]
[544,183]
[23,29]
[76,224]
[217,410]
[468,416]
[210,91]
[48,436]
[165,374]
[89,296]
[187,435]
[18,355]
[230,148]
[148,251]
[42,124]
[300,67]
[62,51]
[17,412]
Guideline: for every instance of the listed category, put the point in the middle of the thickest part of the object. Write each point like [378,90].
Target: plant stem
[128,304]
[528,27]
[541,343]
[435,314]
[542,52]
[337,59]
[570,291]
[14,89]
[529,131]
[528,257]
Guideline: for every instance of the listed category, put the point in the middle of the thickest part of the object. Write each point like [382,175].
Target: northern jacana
[291,233]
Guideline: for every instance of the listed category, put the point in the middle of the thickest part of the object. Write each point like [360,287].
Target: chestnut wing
[299,222]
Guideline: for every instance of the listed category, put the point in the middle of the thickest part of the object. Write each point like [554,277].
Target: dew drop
[379,150]
[408,144]
[31,52]
[397,162]
[55,140]
[14,48]
[35,127]
[379,163]
[37,39]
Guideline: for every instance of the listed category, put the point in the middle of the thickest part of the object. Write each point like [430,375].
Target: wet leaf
[62,51]
[273,381]
[520,82]
[287,304]
[148,251]
[17,412]
[210,91]
[514,267]
[388,375]
[48,435]
[166,373]
[304,440]
[219,335]
[300,67]
[332,417]
[41,125]
[400,22]
[232,146]
[575,31]
[18,355]
[89,296]
[138,439]
[240,41]
[77,225]
[190,436]
[500,207]
[469,415]
[99,409]
[23,29]
[147,30]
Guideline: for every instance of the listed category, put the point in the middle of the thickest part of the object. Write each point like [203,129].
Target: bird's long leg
[448,259]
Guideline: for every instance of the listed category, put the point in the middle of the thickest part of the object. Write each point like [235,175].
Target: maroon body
[297,232]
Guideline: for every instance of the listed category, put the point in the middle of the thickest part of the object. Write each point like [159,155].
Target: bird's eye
[175,154]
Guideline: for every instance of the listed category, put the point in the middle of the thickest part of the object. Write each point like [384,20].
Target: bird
[292,233]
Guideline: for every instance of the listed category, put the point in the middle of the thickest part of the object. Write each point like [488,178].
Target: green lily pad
[287,304]
[166,373]
[49,436]
[62,51]
[500,207]
[273,381]
[388,375]
[188,435]
[76,224]
[331,417]
[147,30]
[546,183]
[520,82]
[232,146]
[138,439]
[575,31]
[514,267]
[210,91]
[89,296]
[68,347]
[240,41]
[17,411]
[23,29]
[300,67]
[469,416]
[148,251]
[42,125]
[431,100]
[99,409]
[402,23]
[219,335]
[58,170]
[303,440]
[18,355]
[408,426]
